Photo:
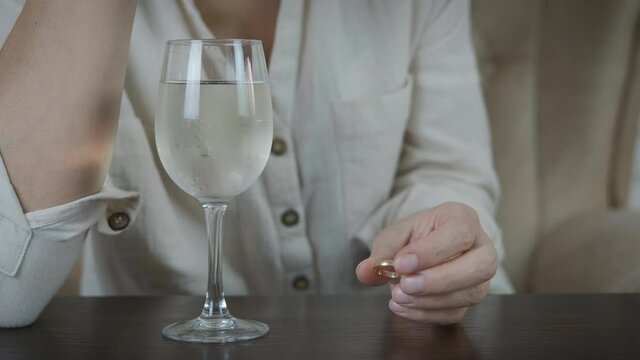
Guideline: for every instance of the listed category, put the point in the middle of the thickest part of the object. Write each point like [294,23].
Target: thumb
[385,246]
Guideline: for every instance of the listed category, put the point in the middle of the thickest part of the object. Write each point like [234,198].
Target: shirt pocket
[369,135]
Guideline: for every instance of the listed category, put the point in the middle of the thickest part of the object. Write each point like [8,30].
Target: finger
[438,317]
[391,239]
[367,274]
[476,266]
[450,239]
[385,246]
[457,299]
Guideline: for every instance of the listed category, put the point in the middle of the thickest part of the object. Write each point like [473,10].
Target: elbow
[15,312]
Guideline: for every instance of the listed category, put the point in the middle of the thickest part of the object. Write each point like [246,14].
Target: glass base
[220,330]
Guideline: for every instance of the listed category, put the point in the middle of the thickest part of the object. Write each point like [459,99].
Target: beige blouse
[378,115]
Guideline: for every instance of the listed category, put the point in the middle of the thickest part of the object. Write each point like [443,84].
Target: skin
[446,261]
[61,79]
[62,74]
[242,19]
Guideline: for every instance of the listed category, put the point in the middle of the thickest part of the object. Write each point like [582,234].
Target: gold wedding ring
[385,268]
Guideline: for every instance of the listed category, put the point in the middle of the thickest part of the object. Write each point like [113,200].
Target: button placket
[279,146]
[281,175]
[301,283]
[290,218]
[281,180]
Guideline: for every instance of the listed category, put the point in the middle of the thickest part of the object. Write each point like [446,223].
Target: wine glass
[214,129]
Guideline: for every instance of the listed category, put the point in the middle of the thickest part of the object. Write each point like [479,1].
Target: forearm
[61,78]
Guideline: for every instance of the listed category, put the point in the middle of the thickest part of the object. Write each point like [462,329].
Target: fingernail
[407,264]
[412,284]
[396,308]
[400,297]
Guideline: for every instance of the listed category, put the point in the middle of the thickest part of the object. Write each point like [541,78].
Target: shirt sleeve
[38,249]
[9,11]
[446,154]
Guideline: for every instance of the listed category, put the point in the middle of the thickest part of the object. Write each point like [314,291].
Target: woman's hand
[445,259]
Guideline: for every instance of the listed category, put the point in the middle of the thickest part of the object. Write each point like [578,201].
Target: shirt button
[301,283]
[278,147]
[119,221]
[289,218]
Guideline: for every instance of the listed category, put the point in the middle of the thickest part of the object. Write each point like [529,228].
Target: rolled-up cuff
[57,223]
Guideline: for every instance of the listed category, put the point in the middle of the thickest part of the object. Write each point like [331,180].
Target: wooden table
[336,327]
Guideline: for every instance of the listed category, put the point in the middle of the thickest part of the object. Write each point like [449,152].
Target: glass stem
[214,306]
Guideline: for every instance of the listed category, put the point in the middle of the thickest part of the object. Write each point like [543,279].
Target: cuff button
[118,221]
